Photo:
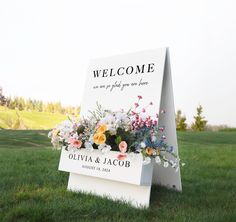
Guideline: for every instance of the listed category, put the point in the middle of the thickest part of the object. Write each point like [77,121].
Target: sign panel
[115,82]
[107,166]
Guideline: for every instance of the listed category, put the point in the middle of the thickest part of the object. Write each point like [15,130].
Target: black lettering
[96,73]
[150,67]
[118,71]
[121,163]
[127,163]
[115,162]
[105,73]
[111,71]
[70,156]
[138,70]
[131,70]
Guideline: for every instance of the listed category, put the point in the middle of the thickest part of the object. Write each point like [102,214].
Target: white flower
[122,117]
[112,129]
[88,146]
[104,148]
[158,160]
[146,160]
[50,134]
[71,148]
[154,138]
[75,136]
[183,164]
[174,165]
[166,164]
[142,144]
[66,126]
[108,119]
[101,146]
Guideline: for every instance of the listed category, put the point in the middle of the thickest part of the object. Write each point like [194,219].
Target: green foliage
[200,123]
[180,120]
[32,188]
[118,140]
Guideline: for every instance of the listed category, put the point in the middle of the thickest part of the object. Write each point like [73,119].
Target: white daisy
[166,164]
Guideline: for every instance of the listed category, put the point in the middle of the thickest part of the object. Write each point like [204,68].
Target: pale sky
[45,47]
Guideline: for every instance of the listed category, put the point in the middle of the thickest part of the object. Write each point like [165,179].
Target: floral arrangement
[127,132]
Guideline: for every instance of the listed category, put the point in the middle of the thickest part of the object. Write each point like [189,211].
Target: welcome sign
[114,82]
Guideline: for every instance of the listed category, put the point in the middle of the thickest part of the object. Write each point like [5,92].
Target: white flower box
[107,166]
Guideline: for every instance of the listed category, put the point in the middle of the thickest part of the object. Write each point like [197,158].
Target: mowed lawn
[32,189]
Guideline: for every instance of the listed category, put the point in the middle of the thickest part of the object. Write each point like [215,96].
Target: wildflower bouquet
[128,132]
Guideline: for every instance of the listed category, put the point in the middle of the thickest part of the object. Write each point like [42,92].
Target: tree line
[19,103]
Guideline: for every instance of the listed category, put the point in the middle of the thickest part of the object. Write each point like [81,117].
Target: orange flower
[102,128]
[149,151]
[99,138]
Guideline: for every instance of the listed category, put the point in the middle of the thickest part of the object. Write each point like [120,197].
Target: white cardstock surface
[115,82]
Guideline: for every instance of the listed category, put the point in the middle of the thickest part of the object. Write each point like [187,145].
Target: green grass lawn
[31,119]
[32,189]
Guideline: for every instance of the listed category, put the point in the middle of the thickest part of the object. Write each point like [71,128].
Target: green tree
[20,103]
[199,123]
[29,105]
[180,120]
[13,103]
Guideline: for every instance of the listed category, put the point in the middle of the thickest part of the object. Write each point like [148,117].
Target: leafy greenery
[32,189]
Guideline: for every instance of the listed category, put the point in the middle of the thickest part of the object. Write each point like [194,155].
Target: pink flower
[121,156]
[133,113]
[143,110]
[76,143]
[161,128]
[140,97]
[150,103]
[136,105]
[123,146]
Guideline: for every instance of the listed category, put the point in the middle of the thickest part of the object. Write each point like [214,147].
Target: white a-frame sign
[115,82]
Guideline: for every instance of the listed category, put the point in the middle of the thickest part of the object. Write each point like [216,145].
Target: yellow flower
[102,128]
[99,138]
[149,151]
